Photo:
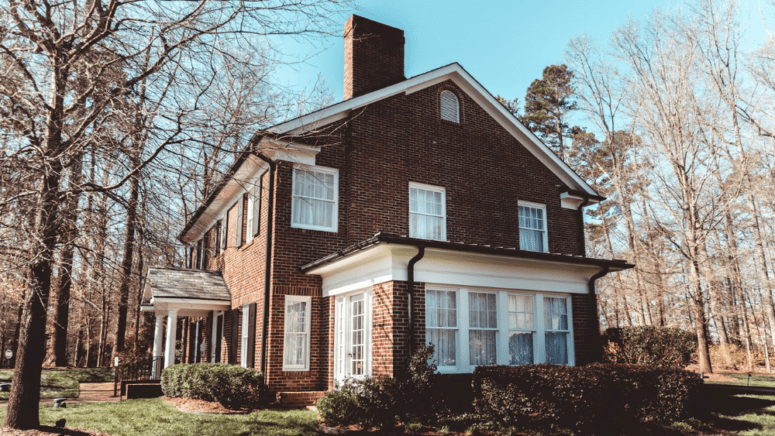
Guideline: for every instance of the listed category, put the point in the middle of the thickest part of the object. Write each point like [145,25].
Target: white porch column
[172,327]
[157,335]
[157,345]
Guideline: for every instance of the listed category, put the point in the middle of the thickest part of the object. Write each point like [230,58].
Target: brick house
[415,211]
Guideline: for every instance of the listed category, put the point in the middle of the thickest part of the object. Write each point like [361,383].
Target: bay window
[472,327]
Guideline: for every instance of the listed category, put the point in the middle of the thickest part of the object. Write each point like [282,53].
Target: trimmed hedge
[649,345]
[593,399]
[231,385]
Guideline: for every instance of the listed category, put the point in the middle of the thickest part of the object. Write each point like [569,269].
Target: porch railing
[148,369]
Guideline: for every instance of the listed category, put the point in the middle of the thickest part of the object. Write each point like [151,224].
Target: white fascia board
[245,179]
[385,262]
[190,303]
[467,83]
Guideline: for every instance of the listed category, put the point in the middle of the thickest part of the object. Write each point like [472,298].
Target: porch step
[297,399]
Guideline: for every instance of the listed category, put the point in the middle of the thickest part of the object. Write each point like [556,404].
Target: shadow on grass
[735,412]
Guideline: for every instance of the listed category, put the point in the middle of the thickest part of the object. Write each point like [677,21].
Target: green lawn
[156,417]
[766,381]
[60,382]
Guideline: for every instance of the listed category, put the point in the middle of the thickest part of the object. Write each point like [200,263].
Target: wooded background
[671,119]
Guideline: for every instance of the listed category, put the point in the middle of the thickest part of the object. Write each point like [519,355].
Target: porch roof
[185,284]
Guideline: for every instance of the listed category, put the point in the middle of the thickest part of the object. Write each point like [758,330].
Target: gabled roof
[296,127]
[473,88]
[192,284]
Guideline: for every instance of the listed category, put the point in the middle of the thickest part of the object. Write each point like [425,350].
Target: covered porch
[180,292]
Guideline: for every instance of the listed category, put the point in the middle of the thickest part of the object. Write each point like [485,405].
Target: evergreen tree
[548,103]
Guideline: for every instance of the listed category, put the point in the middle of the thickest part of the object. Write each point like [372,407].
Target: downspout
[268,262]
[410,292]
[597,347]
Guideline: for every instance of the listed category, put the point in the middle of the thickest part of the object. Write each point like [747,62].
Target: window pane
[531,240]
[520,348]
[426,214]
[444,342]
[481,347]
[482,310]
[531,228]
[556,314]
[556,348]
[314,198]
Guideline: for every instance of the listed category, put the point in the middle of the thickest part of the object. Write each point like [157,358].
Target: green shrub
[594,399]
[231,385]
[648,345]
[371,402]
[381,401]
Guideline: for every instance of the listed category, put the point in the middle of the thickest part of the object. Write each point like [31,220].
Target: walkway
[90,393]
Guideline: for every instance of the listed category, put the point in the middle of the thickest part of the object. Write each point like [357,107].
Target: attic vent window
[450,107]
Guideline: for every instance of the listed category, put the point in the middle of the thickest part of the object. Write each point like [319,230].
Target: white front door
[352,340]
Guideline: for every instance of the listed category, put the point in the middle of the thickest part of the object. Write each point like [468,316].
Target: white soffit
[385,262]
[246,178]
[467,83]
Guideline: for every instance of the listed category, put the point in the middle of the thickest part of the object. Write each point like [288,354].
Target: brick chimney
[373,56]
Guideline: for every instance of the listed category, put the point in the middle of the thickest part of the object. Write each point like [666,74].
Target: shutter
[251,335]
[225,232]
[198,255]
[206,250]
[208,351]
[240,220]
[191,341]
[234,336]
[257,208]
[189,254]
[217,238]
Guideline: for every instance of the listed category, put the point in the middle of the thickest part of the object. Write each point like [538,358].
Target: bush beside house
[584,400]
[649,345]
[233,386]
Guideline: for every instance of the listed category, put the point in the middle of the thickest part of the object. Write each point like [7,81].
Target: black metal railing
[148,369]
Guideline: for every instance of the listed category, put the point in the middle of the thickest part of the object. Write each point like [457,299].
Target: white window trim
[502,346]
[432,188]
[458,329]
[214,332]
[335,219]
[249,224]
[290,299]
[546,220]
[342,345]
[243,358]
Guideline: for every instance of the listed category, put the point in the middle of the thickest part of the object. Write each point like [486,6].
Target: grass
[766,381]
[62,382]
[154,417]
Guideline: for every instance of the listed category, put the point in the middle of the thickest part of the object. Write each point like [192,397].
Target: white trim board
[386,262]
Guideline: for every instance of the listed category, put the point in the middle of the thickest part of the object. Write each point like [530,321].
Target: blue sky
[504,44]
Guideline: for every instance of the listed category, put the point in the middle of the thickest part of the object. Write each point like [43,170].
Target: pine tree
[548,103]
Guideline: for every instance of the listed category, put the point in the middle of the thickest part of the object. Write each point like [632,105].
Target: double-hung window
[521,329]
[427,212]
[441,315]
[557,330]
[245,334]
[482,328]
[297,333]
[532,227]
[315,198]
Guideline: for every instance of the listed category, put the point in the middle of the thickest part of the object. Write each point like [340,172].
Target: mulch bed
[202,406]
[45,430]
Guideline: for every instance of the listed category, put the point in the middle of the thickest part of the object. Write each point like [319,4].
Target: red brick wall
[378,151]
[373,56]
[390,325]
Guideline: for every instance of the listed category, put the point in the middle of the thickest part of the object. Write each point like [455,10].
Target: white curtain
[426,214]
[531,228]
[295,333]
[482,314]
[313,198]
[441,325]
[556,318]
